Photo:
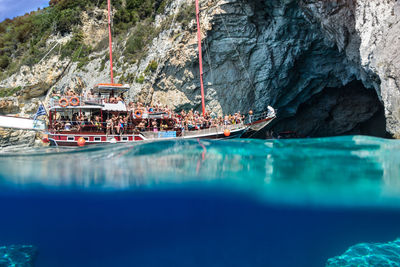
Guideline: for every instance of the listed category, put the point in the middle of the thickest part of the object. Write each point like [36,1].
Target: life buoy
[138,113]
[74,101]
[63,100]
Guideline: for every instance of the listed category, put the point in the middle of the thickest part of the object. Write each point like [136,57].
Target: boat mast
[110,40]
[203,106]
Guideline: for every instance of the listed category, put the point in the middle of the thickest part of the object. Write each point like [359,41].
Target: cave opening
[348,110]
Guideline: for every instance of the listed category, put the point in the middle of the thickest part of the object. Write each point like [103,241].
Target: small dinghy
[22,123]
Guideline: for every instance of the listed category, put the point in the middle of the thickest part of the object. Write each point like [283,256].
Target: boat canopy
[106,88]
[120,106]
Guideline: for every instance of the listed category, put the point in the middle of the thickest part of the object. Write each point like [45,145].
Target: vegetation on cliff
[23,40]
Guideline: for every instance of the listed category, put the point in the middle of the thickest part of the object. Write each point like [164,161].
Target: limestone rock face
[9,105]
[280,53]
[255,53]
[22,138]
[367,31]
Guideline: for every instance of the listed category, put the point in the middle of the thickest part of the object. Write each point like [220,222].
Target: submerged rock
[369,254]
[17,255]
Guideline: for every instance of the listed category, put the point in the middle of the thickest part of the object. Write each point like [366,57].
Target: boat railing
[65,101]
[149,131]
[172,133]
[258,116]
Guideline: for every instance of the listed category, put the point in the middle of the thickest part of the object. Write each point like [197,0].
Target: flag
[40,112]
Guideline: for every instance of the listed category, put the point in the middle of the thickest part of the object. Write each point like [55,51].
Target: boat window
[97,139]
[70,138]
[86,138]
[124,138]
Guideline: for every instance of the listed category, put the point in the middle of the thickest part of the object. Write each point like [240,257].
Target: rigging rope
[57,43]
[209,61]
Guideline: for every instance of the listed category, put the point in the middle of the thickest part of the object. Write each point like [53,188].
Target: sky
[14,8]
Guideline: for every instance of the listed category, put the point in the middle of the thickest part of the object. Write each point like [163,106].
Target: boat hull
[20,123]
[71,138]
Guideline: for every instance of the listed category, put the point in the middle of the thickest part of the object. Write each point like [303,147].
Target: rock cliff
[329,67]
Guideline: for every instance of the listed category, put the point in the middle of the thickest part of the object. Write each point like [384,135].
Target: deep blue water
[208,203]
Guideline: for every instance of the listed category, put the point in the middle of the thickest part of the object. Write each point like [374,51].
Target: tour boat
[64,129]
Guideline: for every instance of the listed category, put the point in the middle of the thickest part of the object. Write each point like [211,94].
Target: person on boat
[90,94]
[226,120]
[67,125]
[96,122]
[68,92]
[120,125]
[56,95]
[213,123]
[131,106]
[250,116]
[81,122]
[154,126]
[271,112]
[112,100]
[109,126]
[142,125]
[112,94]
[120,98]
[164,126]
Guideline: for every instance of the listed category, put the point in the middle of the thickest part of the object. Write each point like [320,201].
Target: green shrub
[186,14]
[141,36]
[4,62]
[23,40]
[103,62]
[151,67]
[5,92]
[66,19]
[76,49]
[140,79]
[161,7]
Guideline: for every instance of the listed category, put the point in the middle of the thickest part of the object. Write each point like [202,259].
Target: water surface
[201,203]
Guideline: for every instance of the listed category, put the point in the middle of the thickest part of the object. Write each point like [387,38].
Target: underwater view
[299,202]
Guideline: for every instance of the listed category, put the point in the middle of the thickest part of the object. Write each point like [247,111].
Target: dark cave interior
[348,110]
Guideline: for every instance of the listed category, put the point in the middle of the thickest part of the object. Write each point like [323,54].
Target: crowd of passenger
[123,122]
[135,120]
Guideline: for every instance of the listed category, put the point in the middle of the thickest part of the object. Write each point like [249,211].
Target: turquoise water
[242,202]
[333,171]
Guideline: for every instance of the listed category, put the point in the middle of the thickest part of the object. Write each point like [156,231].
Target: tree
[4,62]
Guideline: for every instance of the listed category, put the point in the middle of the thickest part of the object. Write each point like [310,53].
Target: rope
[57,43]
[209,61]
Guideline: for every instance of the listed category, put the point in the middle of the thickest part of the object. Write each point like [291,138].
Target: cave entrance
[348,110]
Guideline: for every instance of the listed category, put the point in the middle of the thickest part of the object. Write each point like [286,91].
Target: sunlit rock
[369,254]
[18,255]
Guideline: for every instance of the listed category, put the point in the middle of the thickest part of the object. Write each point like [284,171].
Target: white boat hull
[21,123]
